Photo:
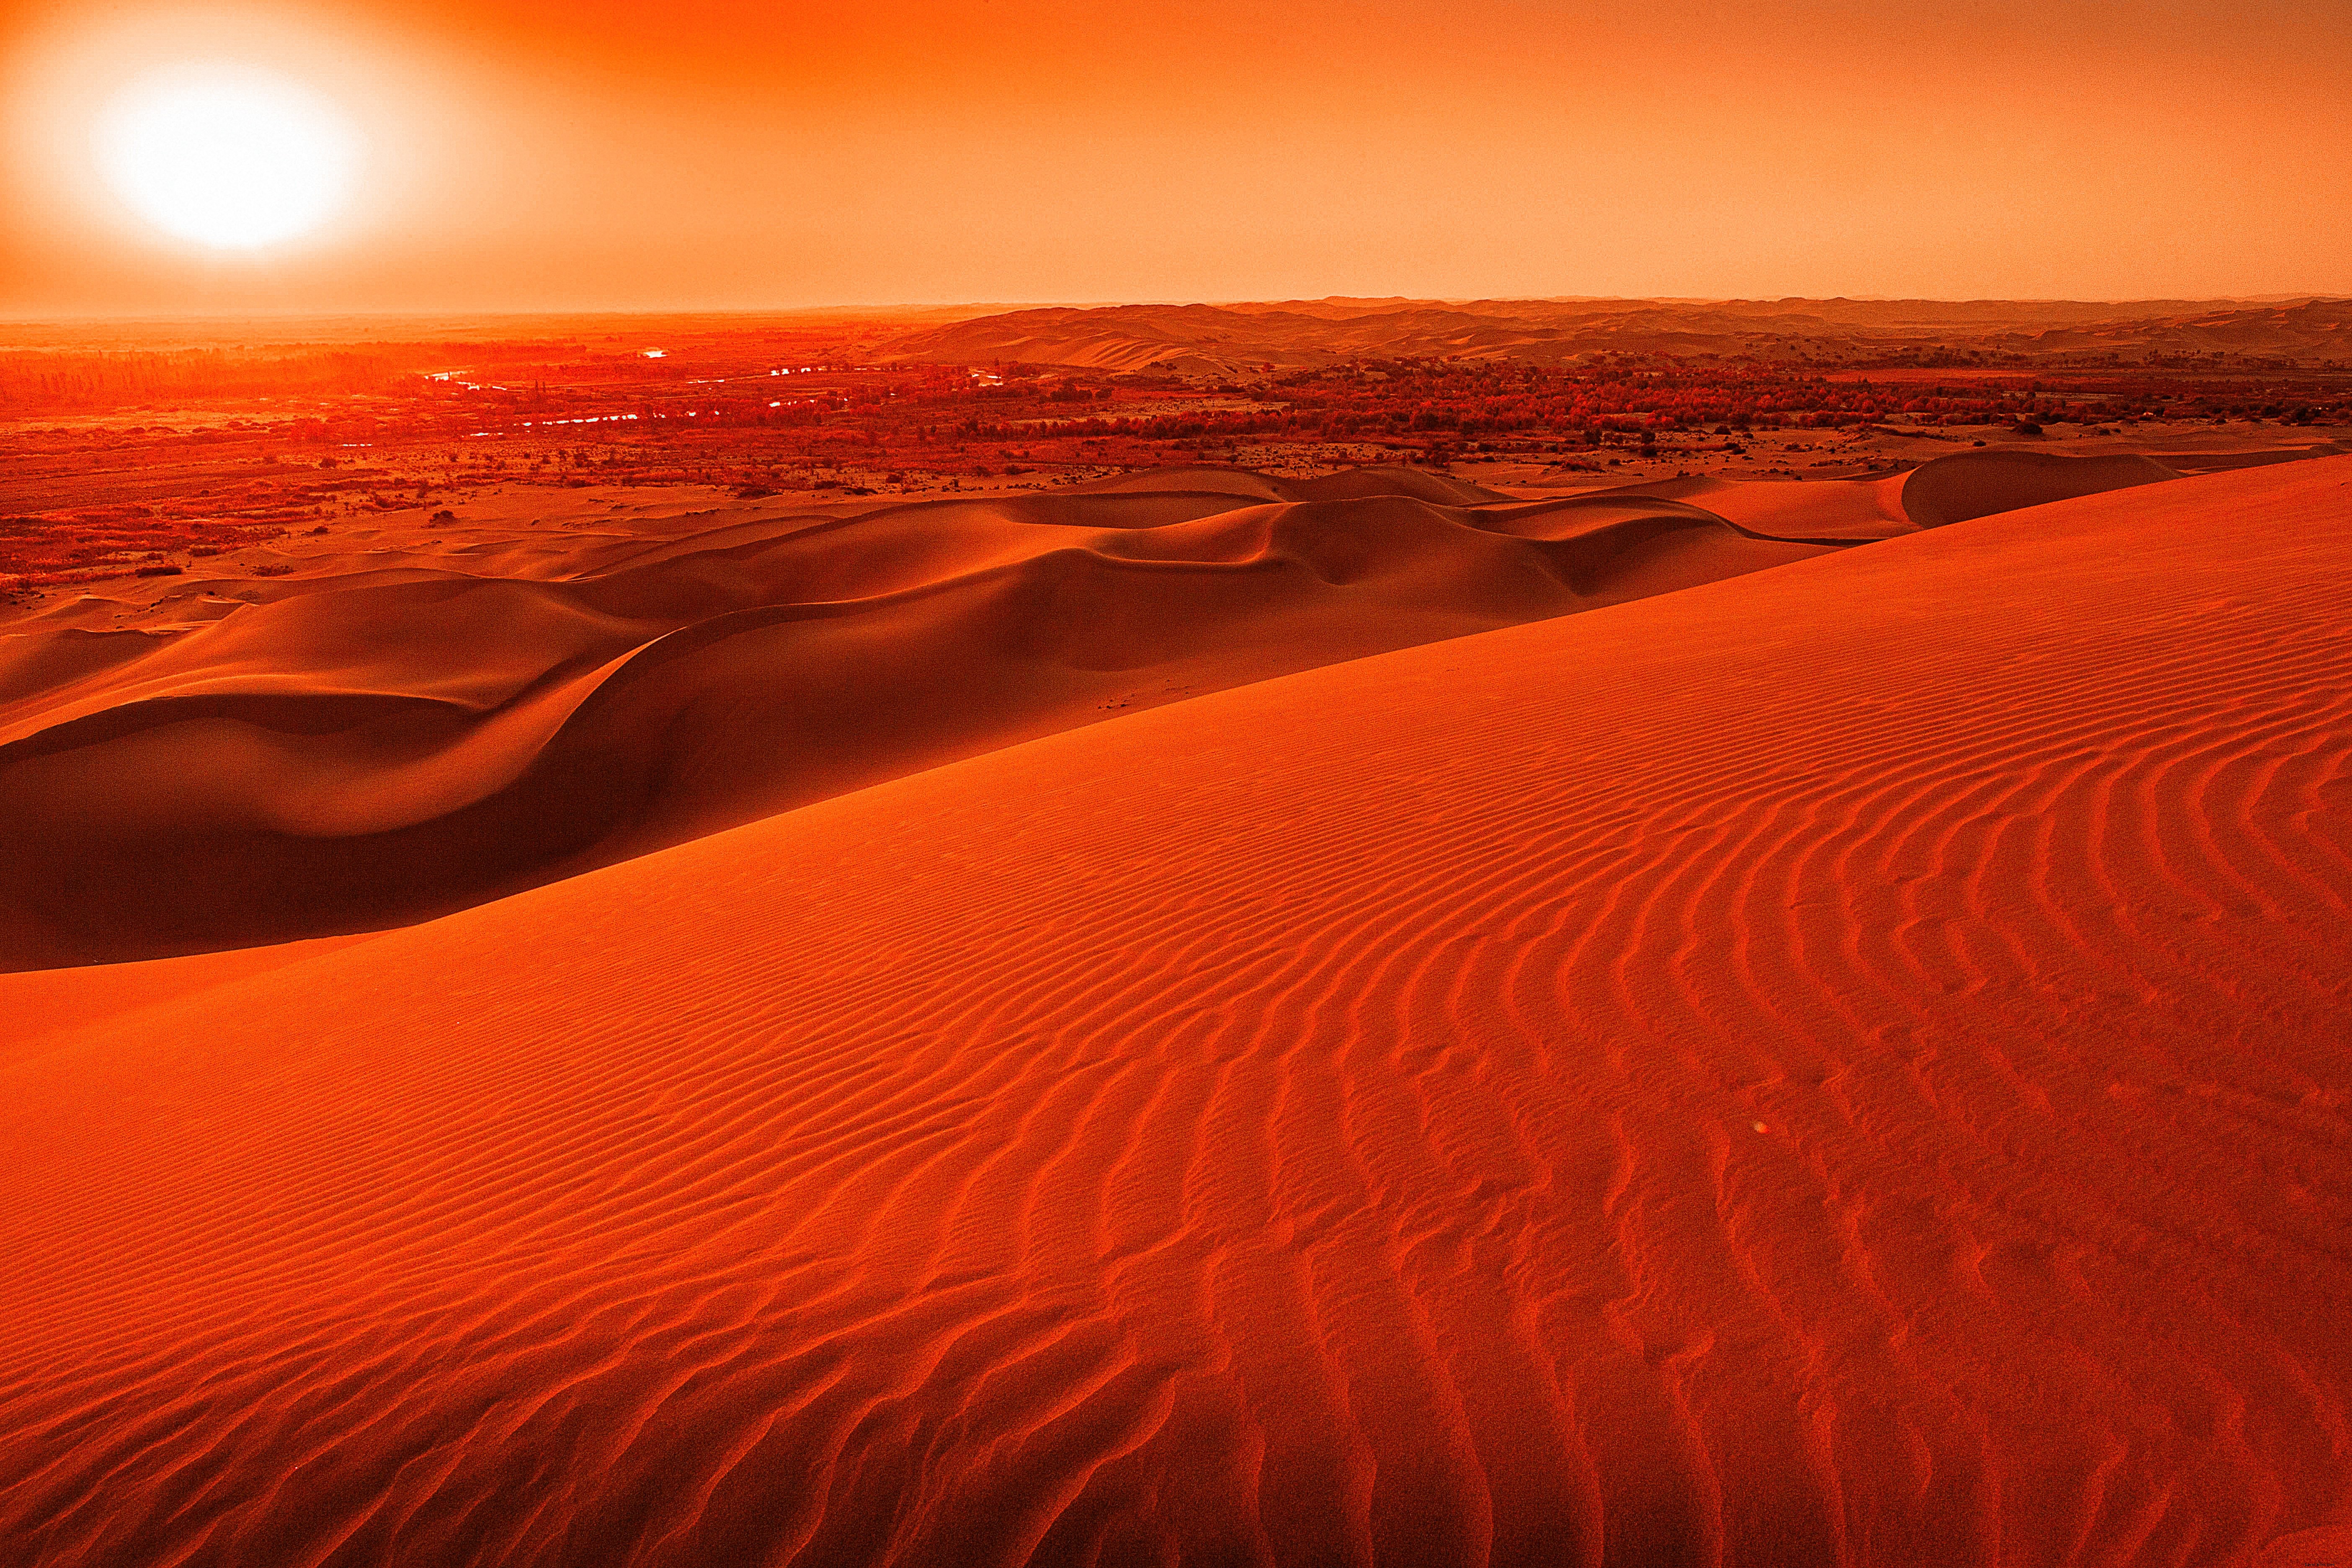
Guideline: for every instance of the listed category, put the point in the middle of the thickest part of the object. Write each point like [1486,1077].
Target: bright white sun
[229,155]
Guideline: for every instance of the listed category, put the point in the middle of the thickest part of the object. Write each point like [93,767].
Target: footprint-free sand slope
[1841,1066]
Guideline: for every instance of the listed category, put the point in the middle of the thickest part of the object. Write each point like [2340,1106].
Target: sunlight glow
[227,156]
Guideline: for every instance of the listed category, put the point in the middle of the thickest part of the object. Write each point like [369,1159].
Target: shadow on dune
[1969,485]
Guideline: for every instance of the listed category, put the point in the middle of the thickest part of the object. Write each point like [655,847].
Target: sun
[228,156]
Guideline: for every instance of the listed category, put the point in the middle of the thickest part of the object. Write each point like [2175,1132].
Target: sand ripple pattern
[1845,1066]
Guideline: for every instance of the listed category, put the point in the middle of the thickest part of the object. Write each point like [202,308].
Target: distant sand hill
[1841,1063]
[1208,340]
[387,736]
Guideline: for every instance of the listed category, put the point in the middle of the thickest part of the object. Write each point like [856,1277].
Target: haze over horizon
[721,156]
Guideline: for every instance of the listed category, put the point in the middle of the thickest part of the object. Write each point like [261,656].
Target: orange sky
[687,153]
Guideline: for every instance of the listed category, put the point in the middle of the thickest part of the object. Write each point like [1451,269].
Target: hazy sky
[667,154]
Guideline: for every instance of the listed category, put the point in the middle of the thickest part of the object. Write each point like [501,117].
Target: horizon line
[1006,306]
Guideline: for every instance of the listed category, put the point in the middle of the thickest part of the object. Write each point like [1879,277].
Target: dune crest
[1843,1065]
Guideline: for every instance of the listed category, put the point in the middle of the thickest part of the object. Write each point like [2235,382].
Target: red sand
[1841,1065]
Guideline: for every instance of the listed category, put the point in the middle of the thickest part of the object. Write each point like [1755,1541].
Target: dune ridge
[1840,1064]
[386,738]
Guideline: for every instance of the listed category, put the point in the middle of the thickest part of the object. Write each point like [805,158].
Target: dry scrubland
[1547,1012]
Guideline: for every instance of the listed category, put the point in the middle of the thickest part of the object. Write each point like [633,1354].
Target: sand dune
[1843,1065]
[1854,510]
[369,744]
[1977,484]
[1230,338]
[385,738]
[1941,491]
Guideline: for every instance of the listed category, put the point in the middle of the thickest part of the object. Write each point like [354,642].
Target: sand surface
[387,722]
[1841,1065]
